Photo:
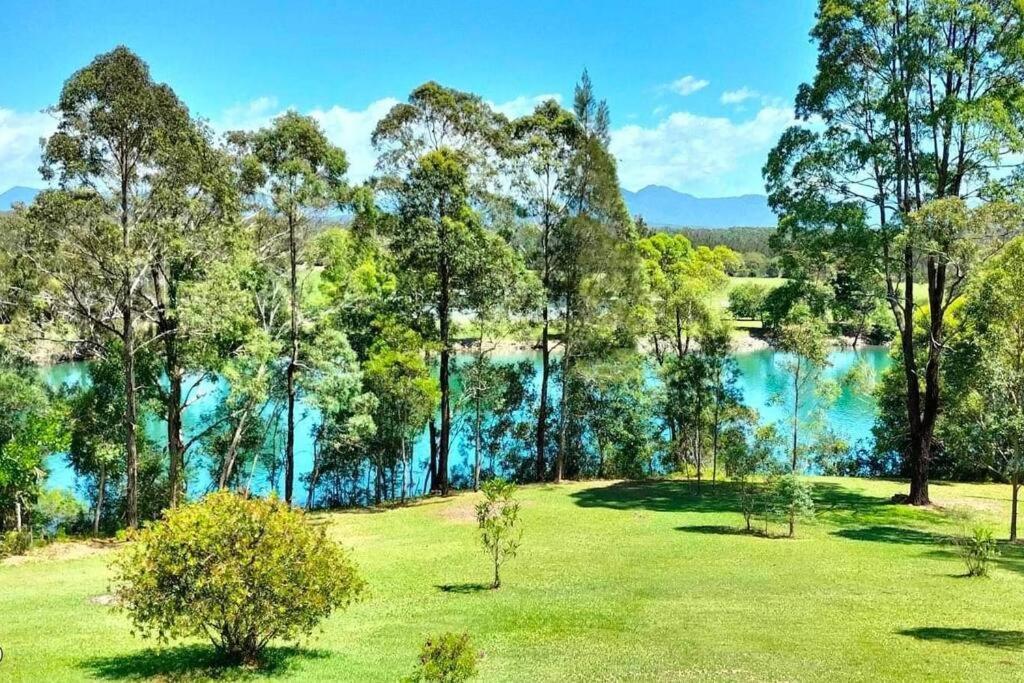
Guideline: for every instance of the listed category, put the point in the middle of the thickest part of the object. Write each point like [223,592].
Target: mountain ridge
[660,206]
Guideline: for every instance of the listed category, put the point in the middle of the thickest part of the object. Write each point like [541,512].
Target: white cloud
[522,105]
[351,129]
[738,96]
[687,85]
[19,147]
[707,156]
[248,115]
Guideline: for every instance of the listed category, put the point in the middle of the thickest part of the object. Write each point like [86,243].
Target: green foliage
[498,517]
[616,406]
[747,300]
[240,572]
[792,300]
[56,512]
[15,543]
[977,548]
[447,658]
[791,496]
[31,428]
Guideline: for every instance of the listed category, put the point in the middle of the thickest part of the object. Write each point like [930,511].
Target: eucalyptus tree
[804,340]
[501,294]
[681,280]
[726,399]
[298,168]
[917,101]
[196,203]
[598,271]
[984,419]
[94,238]
[437,156]
[542,149]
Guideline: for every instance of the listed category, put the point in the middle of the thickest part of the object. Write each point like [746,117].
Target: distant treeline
[759,260]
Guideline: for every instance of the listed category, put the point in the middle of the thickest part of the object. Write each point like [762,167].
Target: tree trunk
[476,437]
[232,455]
[128,357]
[679,334]
[130,419]
[444,319]
[566,371]
[293,363]
[796,416]
[99,500]
[1013,509]
[542,410]
[17,513]
[313,477]
[920,437]
[405,472]
[432,468]
[714,450]
[166,301]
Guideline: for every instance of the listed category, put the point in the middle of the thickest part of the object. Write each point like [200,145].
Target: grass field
[615,581]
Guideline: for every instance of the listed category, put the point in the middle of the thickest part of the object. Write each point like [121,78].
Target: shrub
[976,548]
[15,543]
[56,512]
[238,571]
[792,497]
[747,299]
[448,658]
[498,516]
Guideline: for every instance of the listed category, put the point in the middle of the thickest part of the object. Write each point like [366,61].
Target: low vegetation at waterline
[597,596]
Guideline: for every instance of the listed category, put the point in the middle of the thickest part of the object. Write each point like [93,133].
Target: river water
[762,376]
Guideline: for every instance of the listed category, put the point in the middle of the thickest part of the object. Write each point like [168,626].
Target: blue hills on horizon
[660,206]
[17,195]
[664,207]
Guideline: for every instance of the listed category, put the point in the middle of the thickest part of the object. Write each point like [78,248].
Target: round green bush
[237,571]
[447,658]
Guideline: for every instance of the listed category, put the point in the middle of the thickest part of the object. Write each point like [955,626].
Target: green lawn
[615,581]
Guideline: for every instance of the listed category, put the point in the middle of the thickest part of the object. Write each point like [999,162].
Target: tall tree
[597,262]
[436,152]
[543,145]
[295,164]
[196,198]
[984,420]
[94,237]
[919,100]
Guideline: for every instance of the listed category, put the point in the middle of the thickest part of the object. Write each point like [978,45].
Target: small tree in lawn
[237,571]
[750,464]
[498,516]
[791,496]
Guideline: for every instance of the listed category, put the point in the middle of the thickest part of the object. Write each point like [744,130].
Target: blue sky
[698,89]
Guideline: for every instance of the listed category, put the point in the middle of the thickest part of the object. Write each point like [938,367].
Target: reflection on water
[762,376]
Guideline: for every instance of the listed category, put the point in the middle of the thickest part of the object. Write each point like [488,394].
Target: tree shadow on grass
[995,638]
[193,663]
[660,495]
[678,495]
[463,588]
[892,534]
[725,530]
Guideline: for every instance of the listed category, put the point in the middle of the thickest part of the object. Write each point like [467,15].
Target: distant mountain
[660,206]
[17,195]
[663,206]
